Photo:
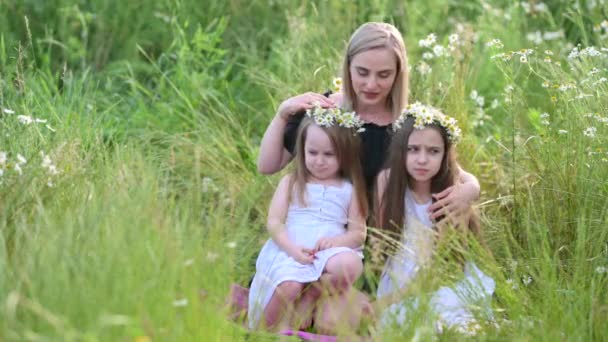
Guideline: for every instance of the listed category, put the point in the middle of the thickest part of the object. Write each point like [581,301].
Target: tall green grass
[155,113]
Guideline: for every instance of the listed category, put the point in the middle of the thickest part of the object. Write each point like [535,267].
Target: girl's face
[320,156]
[373,73]
[425,150]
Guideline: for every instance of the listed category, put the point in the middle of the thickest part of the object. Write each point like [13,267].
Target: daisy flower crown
[327,117]
[425,115]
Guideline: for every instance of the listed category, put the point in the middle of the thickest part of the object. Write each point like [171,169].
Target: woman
[375,75]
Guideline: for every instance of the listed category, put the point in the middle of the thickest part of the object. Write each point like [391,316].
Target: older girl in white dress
[316,222]
[422,163]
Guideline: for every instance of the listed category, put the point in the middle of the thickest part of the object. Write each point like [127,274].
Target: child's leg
[306,304]
[280,307]
[339,274]
[341,271]
[342,308]
[343,313]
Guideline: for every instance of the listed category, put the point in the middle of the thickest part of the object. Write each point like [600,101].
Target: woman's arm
[456,199]
[273,156]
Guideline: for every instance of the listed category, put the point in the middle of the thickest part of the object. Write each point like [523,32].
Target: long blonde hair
[370,36]
[346,145]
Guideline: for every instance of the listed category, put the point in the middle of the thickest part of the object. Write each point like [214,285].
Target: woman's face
[373,73]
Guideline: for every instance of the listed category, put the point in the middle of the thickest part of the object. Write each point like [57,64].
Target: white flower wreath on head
[327,117]
[425,115]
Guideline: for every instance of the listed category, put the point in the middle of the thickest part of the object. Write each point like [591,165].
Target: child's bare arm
[277,214]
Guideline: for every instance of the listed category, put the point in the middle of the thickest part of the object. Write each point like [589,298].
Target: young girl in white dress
[422,163]
[316,223]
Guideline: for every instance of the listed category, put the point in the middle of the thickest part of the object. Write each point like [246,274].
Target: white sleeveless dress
[325,215]
[453,304]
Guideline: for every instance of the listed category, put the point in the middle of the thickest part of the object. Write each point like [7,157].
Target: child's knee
[345,270]
[289,291]
[352,268]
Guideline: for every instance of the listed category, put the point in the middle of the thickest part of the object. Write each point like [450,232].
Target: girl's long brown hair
[391,208]
[346,145]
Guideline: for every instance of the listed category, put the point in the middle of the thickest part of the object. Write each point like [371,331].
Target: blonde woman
[375,76]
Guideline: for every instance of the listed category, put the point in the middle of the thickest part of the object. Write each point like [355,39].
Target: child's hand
[303,255]
[324,243]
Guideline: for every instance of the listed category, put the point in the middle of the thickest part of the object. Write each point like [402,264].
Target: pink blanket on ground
[238,303]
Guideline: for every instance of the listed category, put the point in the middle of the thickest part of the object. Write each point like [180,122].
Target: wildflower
[479,100]
[590,51]
[20,159]
[428,55]
[574,53]
[527,280]
[590,132]
[494,104]
[337,83]
[523,59]
[2,158]
[549,52]
[600,81]
[8,111]
[562,131]
[453,39]
[508,89]
[513,285]
[180,302]
[439,50]
[188,262]
[544,119]
[423,68]
[231,244]
[546,84]
[428,41]
[24,119]
[582,96]
[495,43]
[547,60]
[594,71]
[553,35]
[553,99]
[17,168]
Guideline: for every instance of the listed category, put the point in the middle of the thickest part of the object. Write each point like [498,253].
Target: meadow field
[129,194]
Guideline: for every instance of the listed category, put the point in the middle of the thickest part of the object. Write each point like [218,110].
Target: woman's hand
[452,203]
[324,243]
[302,102]
[303,255]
